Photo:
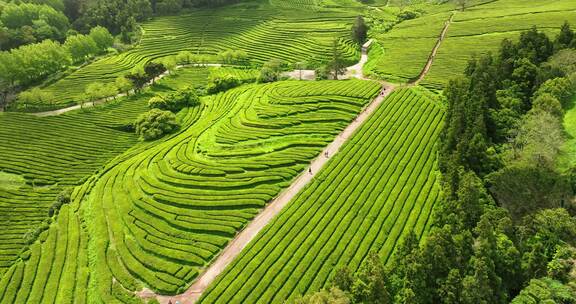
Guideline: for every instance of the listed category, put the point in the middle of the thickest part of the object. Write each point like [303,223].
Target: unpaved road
[104,100]
[270,211]
[242,239]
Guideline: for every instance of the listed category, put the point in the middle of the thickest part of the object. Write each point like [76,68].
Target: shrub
[271,71]
[155,124]
[63,197]
[222,83]
[560,87]
[175,102]
[407,15]
[322,73]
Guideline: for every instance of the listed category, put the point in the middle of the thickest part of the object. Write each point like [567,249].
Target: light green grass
[10,181]
[476,31]
[480,30]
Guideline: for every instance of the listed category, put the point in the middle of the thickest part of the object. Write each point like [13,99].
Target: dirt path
[270,211]
[434,51]
[242,239]
[107,99]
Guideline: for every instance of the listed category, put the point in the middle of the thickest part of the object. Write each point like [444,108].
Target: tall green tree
[359,30]
[337,65]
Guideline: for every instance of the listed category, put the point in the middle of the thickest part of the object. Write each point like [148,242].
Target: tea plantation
[381,185]
[158,213]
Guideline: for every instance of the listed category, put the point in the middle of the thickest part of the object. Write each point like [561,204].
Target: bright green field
[158,213]
[42,156]
[480,30]
[264,31]
[381,185]
[403,51]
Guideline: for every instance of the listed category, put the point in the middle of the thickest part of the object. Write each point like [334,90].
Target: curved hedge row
[159,213]
[380,186]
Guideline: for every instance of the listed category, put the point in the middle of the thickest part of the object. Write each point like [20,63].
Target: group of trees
[161,119]
[26,23]
[272,70]
[31,63]
[505,229]
[236,57]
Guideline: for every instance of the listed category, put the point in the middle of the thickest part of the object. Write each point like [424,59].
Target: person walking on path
[310,170]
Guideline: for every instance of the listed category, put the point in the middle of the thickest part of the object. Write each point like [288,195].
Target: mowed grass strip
[380,186]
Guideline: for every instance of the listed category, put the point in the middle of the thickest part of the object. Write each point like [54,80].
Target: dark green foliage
[176,101]
[322,72]
[62,198]
[545,290]
[535,46]
[566,38]
[155,124]
[525,189]
[359,30]
[223,83]
[407,15]
[154,69]
[343,279]
[270,71]
[138,80]
[369,284]
[25,23]
[465,132]
[332,296]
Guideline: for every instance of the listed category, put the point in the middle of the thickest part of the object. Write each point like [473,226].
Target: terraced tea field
[380,186]
[160,212]
[477,30]
[46,155]
[42,156]
[388,58]
[295,36]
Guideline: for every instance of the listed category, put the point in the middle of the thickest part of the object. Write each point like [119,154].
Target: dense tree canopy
[25,23]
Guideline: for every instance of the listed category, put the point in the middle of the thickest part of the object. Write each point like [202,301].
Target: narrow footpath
[107,99]
[434,52]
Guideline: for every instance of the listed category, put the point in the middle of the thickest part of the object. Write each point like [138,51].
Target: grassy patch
[10,181]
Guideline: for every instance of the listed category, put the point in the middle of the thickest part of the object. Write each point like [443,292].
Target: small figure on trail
[326,154]
[310,170]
